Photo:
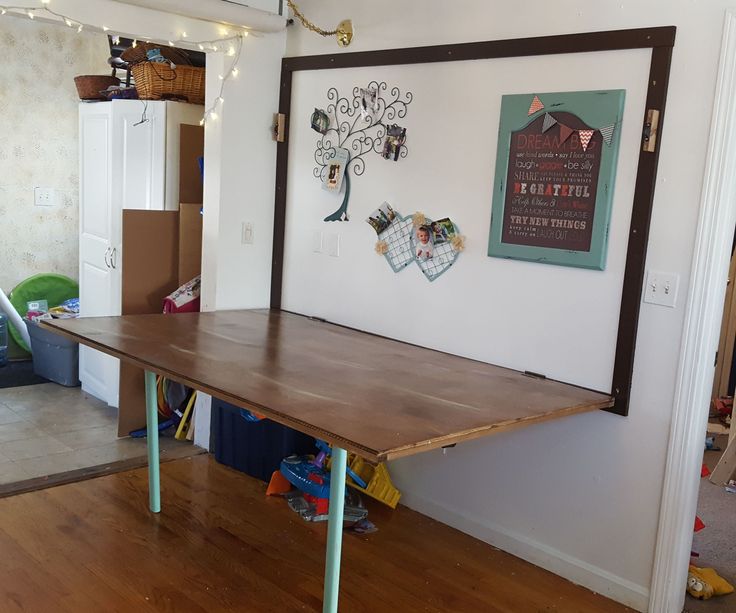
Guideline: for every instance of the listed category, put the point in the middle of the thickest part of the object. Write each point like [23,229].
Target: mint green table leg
[334,530]
[154,487]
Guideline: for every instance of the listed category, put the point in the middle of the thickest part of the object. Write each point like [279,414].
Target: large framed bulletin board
[589,240]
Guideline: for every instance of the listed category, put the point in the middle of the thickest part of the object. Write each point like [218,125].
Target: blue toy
[311,477]
[324,451]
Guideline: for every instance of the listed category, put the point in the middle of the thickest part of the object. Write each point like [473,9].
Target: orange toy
[278,484]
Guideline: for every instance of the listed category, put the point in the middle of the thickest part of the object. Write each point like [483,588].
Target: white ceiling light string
[230,44]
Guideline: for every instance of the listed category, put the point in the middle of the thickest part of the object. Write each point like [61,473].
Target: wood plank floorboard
[221,545]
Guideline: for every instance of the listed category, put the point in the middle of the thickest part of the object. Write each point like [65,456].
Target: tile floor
[49,429]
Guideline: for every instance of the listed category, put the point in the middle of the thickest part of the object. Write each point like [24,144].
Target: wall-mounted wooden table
[377,397]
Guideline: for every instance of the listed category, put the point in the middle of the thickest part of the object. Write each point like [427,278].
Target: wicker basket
[138,54]
[90,86]
[156,81]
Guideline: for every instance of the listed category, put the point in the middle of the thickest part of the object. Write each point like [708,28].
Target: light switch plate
[247,233]
[317,241]
[661,288]
[44,196]
[333,245]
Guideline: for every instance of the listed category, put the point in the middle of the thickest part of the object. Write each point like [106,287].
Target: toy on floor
[301,503]
[311,477]
[374,480]
[721,408]
[175,408]
[143,432]
[364,526]
[251,416]
[278,485]
[704,583]
[185,417]
[699,525]
[325,451]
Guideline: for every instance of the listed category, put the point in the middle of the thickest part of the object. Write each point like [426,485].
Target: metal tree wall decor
[359,131]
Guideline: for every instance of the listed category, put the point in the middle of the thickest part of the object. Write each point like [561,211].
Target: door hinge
[279,127]
[651,128]
[715,362]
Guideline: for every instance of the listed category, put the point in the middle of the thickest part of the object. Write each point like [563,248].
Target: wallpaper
[39,144]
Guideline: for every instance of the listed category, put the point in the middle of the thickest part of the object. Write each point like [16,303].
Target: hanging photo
[320,121]
[395,138]
[368,103]
[381,218]
[423,244]
[442,231]
[432,245]
[335,170]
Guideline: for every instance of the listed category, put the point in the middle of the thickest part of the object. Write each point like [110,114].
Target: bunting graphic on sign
[607,133]
[565,133]
[585,136]
[536,106]
[548,122]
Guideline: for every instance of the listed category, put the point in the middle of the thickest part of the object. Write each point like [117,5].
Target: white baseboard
[519,545]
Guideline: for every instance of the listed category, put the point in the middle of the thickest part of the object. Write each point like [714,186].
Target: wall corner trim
[717,219]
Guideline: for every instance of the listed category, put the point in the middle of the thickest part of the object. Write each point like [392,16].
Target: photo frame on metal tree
[335,170]
[555,175]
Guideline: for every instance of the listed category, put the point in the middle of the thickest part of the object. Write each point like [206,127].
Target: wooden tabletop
[377,397]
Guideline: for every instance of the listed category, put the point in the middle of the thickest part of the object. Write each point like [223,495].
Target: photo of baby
[442,231]
[381,218]
[423,246]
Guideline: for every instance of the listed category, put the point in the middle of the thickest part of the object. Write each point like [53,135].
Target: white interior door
[99,257]
[138,154]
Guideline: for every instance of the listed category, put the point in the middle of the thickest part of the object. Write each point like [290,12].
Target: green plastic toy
[45,286]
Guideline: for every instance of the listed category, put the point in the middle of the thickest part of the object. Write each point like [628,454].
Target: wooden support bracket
[279,127]
[651,127]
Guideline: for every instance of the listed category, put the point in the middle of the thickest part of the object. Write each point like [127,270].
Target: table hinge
[279,127]
[651,127]
[536,375]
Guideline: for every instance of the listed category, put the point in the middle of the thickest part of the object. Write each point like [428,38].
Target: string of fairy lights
[230,44]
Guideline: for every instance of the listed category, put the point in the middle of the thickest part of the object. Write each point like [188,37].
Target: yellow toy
[704,583]
[186,419]
[379,481]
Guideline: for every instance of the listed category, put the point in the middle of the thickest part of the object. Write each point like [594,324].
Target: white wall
[241,153]
[580,496]
[240,173]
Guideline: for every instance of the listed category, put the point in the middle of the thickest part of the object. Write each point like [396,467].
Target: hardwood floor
[221,545]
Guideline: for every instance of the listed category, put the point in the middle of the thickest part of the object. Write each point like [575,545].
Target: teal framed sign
[555,174]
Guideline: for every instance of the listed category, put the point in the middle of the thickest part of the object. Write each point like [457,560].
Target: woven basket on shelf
[137,54]
[89,87]
[156,81]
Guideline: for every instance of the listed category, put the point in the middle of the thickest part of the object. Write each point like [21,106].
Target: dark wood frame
[660,40]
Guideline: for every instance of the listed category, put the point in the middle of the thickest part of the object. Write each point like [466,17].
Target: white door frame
[708,276]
